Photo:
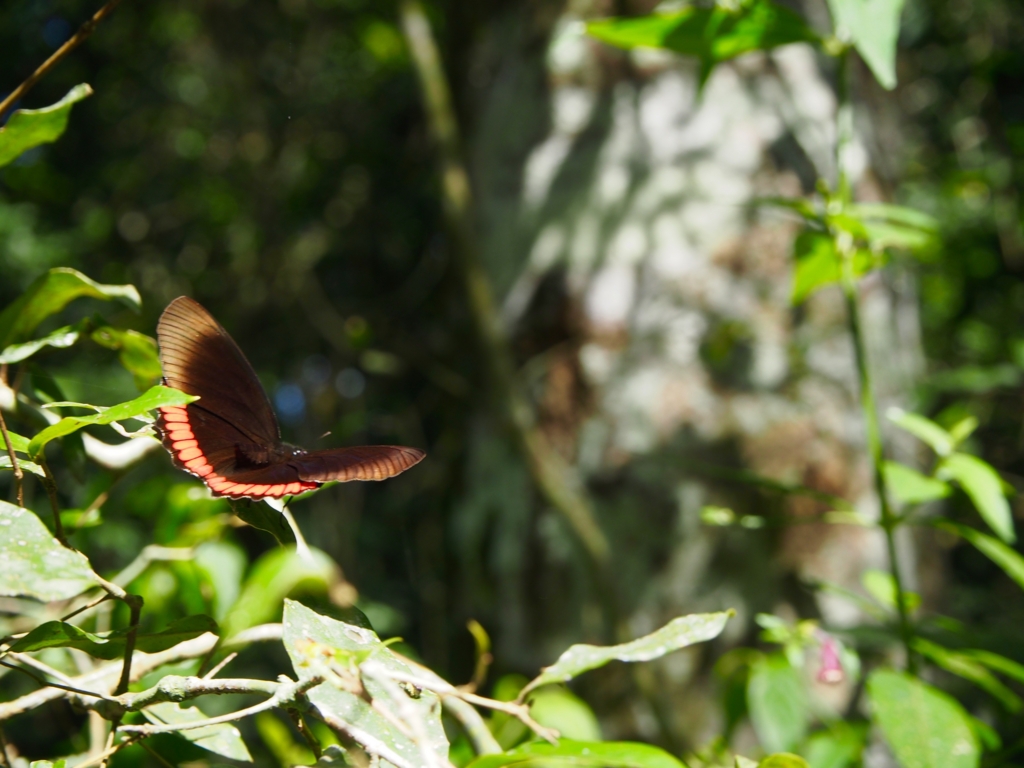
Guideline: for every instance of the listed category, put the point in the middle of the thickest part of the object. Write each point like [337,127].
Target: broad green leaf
[151,400]
[307,635]
[911,487]
[873,26]
[266,518]
[744,762]
[783,760]
[999,553]
[712,34]
[925,430]
[59,339]
[925,727]
[882,587]
[1008,667]
[984,486]
[49,294]
[839,746]
[886,225]
[598,754]
[138,354]
[223,739]
[277,574]
[47,764]
[18,443]
[977,379]
[777,703]
[894,214]
[970,669]
[111,645]
[24,464]
[29,128]
[559,708]
[817,264]
[34,564]
[678,633]
[223,563]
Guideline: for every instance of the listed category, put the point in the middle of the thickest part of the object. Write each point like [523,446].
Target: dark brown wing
[200,358]
[364,462]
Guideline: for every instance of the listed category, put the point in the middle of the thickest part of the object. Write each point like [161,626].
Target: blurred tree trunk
[647,300]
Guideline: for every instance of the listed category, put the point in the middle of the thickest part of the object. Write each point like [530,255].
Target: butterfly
[230,437]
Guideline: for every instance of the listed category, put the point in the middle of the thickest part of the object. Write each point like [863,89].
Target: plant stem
[51,491]
[18,474]
[889,521]
[73,42]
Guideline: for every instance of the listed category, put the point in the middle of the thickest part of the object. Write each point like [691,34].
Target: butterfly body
[230,437]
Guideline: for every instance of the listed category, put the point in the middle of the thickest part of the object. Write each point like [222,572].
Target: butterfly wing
[364,462]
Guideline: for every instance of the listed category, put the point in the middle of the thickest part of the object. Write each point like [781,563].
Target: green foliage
[925,727]
[597,754]
[872,26]
[28,128]
[678,633]
[712,34]
[59,634]
[223,739]
[778,704]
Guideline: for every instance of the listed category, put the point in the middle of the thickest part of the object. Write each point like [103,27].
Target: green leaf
[711,34]
[49,294]
[111,645]
[817,264]
[559,708]
[925,727]
[138,354]
[783,760]
[34,564]
[838,747]
[47,764]
[896,226]
[62,338]
[925,430]
[265,518]
[24,464]
[1008,667]
[678,633]
[911,487]
[985,488]
[882,586]
[599,754]
[18,443]
[1005,557]
[777,703]
[873,27]
[29,128]
[744,762]
[273,577]
[223,739]
[223,563]
[306,636]
[963,666]
[151,400]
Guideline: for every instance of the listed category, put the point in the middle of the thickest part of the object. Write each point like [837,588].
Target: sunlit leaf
[910,486]
[882,587]
[559,708]
[307,635]
[925,727]
[817,264]
[873,27]
[49,294]
[34,564]
[62,338]
[138,353]
[111,645]
[29,128]
[223,739]
[20,445]
[999,553]
[777,703]
[839,746]
[783,760]
[964,666]
[984,486]
[1008,667]
[924,429]
[277,574]
[266,518]
[712,34]
[596,754]
[678,633]
[154,398]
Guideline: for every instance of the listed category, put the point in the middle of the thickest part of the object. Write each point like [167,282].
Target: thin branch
[370,743]
[18,474]
[153,553]
[108,753]
[30,661]
[285,694]
[406,710]
[4,760]
[220,665]
[473,724]
[49,684]
[73,42]
[51,491]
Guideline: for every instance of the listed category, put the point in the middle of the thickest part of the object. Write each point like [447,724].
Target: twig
[73,42]
[149,555]
[473,724]
[49,684]
[87,606]
[157,756]
[285,694]
[51,491]
[19,475]
[307,734]
[220,665]
[4,761]
[406,710]
[46,669]
[108,753]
